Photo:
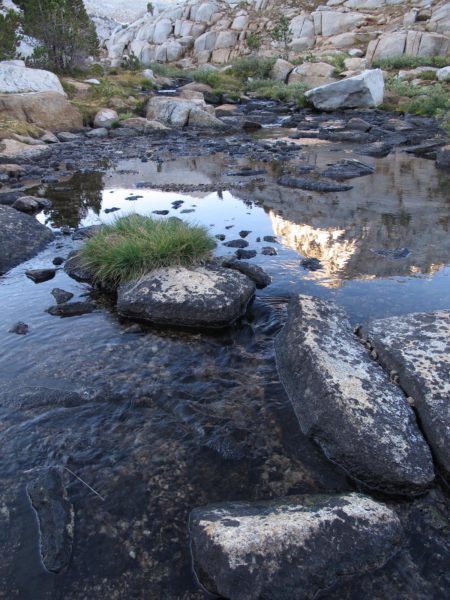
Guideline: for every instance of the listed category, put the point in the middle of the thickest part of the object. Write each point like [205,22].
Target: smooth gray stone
[290,548]
[205,297]
[345,401]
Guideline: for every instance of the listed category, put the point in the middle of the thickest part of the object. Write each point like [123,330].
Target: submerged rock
[20,328]
[362,91]
[75,269]
[346,403]
[237,243]
[314,185]
[30,204]
[55,516]
[253,272]
[21,237]
[417,348]
[74,309]
[291,547]
[205,297]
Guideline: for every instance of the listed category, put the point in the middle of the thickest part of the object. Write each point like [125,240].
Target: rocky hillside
[201,31]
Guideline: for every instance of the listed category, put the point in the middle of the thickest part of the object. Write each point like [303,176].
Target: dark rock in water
[229,226]
[244,233]
[429,148]
[61,296]
[21,237]
[416,347]
[242,253]
[355,137]
[133,197]
[161,212]
[358,124]
[443,157]
[236,244]
[272,239]
[395,254]
[177,204]
[75,269]
[84,232]
[251,125]
[314,185]
[290,548]
[74,309]
[377,149]
[204,297]
[20,328]
[58,261]
[220,236]
[110,210]
[55,516]
[362,421]
[253,272]
[245,172]
[30,204]
[269,251]
[311,264]
[187,211]
[40,275]
[347,169]
[8,198]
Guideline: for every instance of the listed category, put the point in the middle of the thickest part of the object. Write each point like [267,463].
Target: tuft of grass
[428,100]
[134,245]
[163,70]
[410,62]
[222,82]
[276,90]
[252,67]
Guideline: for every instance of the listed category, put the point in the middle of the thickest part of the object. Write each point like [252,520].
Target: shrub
[221,81]
[134,245]
[131,62]
[257,68]
[64,31]
[282,33]
[276,90]
[411,62]
[253,42]
[9,36]
[167,71]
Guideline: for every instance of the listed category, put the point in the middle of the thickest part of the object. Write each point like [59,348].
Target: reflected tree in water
[73,199]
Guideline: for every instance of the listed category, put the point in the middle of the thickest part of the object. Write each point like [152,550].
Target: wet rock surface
[346,403]
[72,309]
[291,547]
[304,183]
[253,272]
[206,297]
[55,515]
[40,275]
[21,237]
[416,348]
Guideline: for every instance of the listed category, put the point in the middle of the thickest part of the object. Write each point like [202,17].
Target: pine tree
[64,31]
[9,36]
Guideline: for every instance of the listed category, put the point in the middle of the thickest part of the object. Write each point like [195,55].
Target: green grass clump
[276,90]
[256,68]
[134,245]
[163,70]
[410,62]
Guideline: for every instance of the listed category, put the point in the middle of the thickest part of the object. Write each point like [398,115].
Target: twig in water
[86,484]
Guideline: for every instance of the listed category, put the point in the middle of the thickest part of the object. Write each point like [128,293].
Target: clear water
[174,420]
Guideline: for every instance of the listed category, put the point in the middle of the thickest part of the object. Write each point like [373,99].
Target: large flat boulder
[290,548]
[49,110]
[21,237]
[345,401]
[205,297]
[180,112]
[19,151]
[16,78]
[362,91]
[417,348]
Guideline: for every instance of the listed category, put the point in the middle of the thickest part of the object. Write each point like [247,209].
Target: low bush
[252,67]
[276,90]
[410,62]
[134,245]
[167,71]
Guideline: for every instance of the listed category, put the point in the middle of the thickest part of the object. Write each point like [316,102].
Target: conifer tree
[64,31]
[9,36]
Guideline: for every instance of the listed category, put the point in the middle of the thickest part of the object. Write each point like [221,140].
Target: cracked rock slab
[205,297]
[417,348]
[346,403]
[290,548]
